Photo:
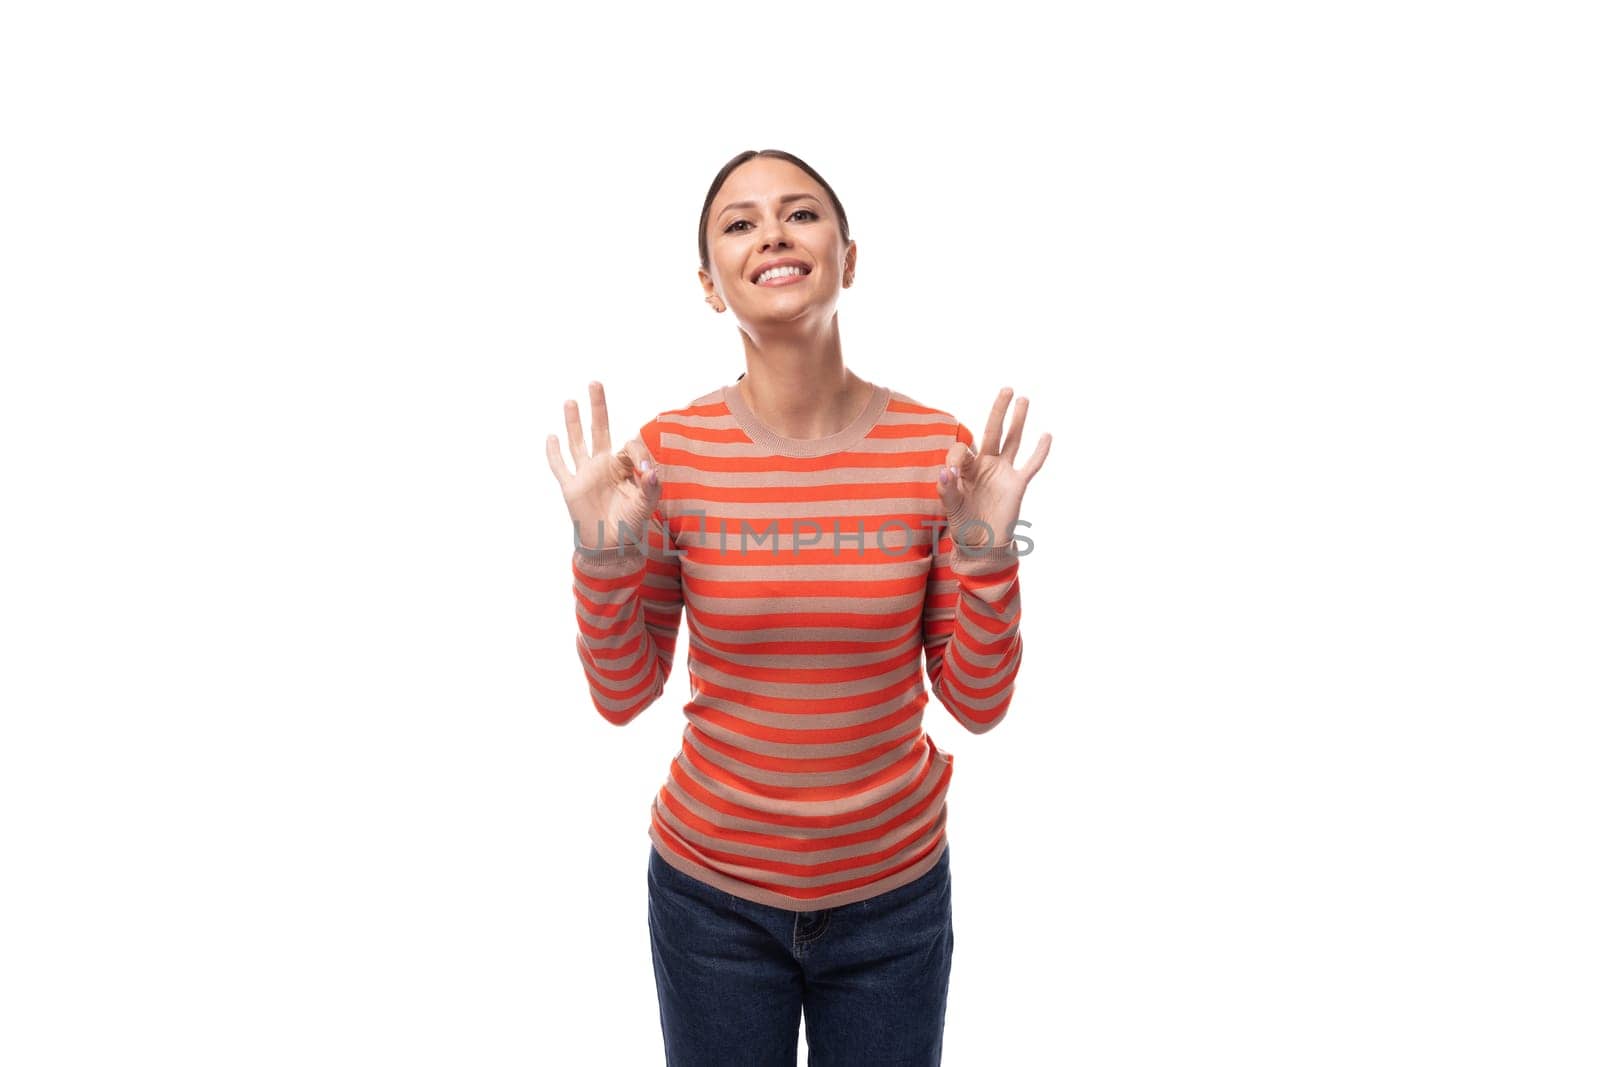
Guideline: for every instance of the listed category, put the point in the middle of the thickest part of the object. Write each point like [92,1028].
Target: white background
[297,765]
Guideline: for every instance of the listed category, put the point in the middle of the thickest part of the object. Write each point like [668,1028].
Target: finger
[997,418]
[950,492]
[574,433]
[1013,439]
[597,416]
[552,452]
[650,479]
[962,459]
[1035,461]
[636,464]
[968,467]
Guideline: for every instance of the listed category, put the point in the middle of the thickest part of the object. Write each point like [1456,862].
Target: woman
[823,534]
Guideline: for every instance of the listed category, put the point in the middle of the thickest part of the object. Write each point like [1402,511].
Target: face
[769,210]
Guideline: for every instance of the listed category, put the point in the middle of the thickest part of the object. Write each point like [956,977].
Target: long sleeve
[972,628]
[629,606]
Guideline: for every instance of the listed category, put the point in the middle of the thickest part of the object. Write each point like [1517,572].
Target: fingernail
[944,475]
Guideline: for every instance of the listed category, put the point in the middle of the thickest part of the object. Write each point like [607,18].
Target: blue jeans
[733,976]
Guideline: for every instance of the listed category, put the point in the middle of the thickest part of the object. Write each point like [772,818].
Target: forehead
[763,180]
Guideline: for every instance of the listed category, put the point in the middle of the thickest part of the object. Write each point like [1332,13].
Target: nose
[773,234]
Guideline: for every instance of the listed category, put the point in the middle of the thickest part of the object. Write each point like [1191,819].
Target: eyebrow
[782,200]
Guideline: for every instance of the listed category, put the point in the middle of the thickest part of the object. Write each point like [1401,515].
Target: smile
[781,276]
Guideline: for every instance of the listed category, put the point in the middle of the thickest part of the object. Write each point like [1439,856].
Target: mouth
[780,272]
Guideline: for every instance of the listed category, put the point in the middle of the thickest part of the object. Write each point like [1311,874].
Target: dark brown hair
[774,153]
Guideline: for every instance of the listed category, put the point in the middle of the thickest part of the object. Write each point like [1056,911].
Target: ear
[849,264]
[711,291]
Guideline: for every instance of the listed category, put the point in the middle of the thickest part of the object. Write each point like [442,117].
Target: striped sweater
[813,589]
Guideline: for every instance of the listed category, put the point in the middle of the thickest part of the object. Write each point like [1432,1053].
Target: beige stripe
[696,513]
[865,716]
[788,635]
[684,479]
[808,779]
[820,465]
[804,690]
[779,606]
[800,750]
[929,786]
[713,401]
[908,567]
[797,638]
[762,804]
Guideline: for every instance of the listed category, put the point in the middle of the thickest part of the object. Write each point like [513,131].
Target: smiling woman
[799,864]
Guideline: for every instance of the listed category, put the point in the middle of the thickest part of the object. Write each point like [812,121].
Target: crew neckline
[762,434]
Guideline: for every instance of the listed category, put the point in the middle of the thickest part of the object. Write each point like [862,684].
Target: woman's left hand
[982,491]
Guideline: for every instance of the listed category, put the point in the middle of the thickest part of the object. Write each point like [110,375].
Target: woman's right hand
[611,495]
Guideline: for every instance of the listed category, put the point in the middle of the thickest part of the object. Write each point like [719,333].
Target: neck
[799,386]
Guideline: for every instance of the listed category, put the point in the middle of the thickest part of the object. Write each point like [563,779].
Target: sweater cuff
[615,562]
[988,559]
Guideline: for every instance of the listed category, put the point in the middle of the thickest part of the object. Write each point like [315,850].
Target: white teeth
[778,272]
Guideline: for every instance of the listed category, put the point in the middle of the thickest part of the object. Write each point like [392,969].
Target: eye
[731,228]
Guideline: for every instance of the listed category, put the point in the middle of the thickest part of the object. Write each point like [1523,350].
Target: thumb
[953,479]
[637,470]
[650,481]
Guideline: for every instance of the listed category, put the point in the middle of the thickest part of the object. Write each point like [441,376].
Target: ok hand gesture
[611,495]
[984,486]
